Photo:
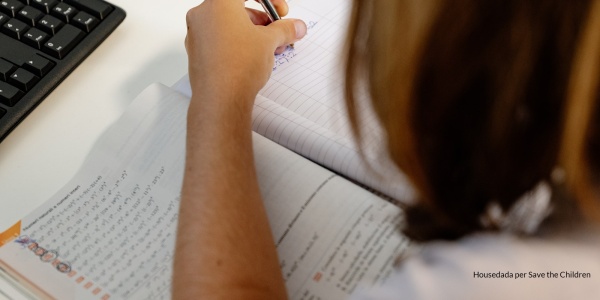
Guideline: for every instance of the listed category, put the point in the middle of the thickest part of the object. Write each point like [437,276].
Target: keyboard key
[85,21]
[23,79]
[41,42]
[15,28]
[30,15]
[11,7]
[3,18]
[9,95]
[99,9]
[64,12]
[50,24]
[6,68]
[60,44]
[44,5]
[38,65]
[35,38]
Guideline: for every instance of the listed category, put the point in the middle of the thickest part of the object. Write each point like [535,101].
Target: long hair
[480,100]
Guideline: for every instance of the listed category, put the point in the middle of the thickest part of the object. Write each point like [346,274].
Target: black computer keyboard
[41,42]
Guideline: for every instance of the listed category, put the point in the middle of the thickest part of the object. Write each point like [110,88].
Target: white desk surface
[47,149]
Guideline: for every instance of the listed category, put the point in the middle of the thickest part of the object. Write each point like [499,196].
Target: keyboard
[41,42]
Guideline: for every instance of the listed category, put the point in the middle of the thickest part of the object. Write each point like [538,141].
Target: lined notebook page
[308,79]
[302,107]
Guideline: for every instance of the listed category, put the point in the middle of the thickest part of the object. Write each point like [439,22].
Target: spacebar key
[64,41]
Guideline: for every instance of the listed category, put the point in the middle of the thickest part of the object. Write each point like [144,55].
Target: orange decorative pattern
[10,234]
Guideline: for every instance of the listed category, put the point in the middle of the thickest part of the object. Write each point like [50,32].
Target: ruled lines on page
[320,145]
[310,117]
[308,79]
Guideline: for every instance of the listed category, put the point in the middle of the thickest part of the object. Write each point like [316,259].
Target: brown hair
[480,100]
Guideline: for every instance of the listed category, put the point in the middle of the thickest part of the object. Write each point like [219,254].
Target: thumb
[287,31]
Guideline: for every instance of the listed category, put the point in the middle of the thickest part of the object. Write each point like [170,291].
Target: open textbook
[110,232]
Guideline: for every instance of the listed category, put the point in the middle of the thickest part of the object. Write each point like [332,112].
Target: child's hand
[230,51]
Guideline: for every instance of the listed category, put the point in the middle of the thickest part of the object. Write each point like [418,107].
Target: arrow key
[9,95]
[38,65]
[23,79]
[6,69]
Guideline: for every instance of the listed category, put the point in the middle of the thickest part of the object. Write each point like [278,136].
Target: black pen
[270,10]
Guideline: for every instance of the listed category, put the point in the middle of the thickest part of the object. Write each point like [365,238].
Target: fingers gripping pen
[270,10]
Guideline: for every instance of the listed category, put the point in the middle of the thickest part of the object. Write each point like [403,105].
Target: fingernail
[300,29]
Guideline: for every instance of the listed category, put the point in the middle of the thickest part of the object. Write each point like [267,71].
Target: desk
[48,148]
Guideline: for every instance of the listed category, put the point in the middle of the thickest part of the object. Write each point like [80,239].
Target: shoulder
[496,266]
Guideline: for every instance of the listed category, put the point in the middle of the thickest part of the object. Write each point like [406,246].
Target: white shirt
[446,270]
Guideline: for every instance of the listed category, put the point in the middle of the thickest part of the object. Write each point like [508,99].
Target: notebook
[109,233]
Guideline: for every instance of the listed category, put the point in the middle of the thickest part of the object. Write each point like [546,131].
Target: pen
[270,10]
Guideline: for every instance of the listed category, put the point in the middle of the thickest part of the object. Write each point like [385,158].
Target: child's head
[481,100]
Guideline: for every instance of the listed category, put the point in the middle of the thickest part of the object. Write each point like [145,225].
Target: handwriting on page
[284,58]
[304,107]
[307,79]
[111,235]
[290,52]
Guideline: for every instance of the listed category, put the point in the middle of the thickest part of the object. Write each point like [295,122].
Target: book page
[110,232]
[302,107]
[308,79]
[331,235]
